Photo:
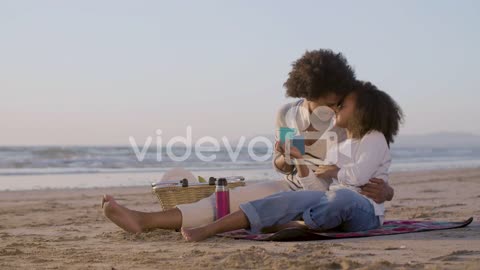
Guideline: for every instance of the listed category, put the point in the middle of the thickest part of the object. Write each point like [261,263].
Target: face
[330,100]
[345,111]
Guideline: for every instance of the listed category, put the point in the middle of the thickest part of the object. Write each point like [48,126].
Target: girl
[371,118]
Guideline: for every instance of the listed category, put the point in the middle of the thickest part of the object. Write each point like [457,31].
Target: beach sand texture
[65,229]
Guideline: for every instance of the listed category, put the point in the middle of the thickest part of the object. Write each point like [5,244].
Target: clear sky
[96,72]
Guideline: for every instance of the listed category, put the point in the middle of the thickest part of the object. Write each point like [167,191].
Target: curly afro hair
[375,110]
[318,73]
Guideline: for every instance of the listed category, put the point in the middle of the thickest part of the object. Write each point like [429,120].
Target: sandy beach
[59,229]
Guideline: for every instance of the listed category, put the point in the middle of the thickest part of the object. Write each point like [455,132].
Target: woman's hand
[377,190]
[294,152]
[279,148]
[289,156]
[327,171]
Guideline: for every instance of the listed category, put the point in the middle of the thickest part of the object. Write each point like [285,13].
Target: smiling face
[346,111]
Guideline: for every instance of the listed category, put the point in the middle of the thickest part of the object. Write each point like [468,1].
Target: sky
[97,72]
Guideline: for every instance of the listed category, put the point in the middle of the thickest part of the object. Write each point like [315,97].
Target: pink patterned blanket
[389,228]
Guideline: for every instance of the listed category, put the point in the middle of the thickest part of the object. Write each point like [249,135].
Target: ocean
[56,161]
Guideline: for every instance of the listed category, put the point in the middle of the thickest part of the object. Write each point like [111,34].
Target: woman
[320,78]
[371,119]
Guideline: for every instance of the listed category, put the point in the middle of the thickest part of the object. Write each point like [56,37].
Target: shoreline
[65,228]
[148,177]
[113,180]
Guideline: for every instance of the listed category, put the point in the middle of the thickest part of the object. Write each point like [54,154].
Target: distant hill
[441,139]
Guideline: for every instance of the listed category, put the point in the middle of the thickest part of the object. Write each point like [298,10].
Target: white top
[369,158]
[359,160]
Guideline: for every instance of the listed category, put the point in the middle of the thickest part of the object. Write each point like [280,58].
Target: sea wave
[41,160]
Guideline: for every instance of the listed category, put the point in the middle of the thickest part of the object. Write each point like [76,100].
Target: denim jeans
[343,209]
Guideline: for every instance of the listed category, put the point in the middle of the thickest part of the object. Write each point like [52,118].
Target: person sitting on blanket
[319,79]
[372,119]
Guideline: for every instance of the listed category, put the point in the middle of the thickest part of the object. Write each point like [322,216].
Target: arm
[294,159]
[307,179]
[302,170]
[279,162]
[378,190]
[390,193]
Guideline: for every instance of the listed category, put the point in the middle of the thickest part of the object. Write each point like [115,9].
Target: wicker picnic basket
[170,196]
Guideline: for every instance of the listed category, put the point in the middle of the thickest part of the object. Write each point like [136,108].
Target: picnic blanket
[390,227]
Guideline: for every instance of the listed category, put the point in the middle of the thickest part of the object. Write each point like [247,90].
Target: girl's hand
[294,152]
[327,171]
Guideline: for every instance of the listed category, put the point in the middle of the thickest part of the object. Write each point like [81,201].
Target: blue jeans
[343,209]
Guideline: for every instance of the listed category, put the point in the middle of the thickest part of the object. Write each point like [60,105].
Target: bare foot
[196,234]
[121,216]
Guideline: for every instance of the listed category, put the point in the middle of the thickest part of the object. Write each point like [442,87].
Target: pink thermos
[222,196]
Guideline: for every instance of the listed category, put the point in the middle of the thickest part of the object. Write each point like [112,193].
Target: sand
[65,229]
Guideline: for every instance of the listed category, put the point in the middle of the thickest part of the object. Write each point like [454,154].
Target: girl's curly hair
[375,110]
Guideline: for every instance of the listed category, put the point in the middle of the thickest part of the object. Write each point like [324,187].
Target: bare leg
[234,221]
[136,221]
